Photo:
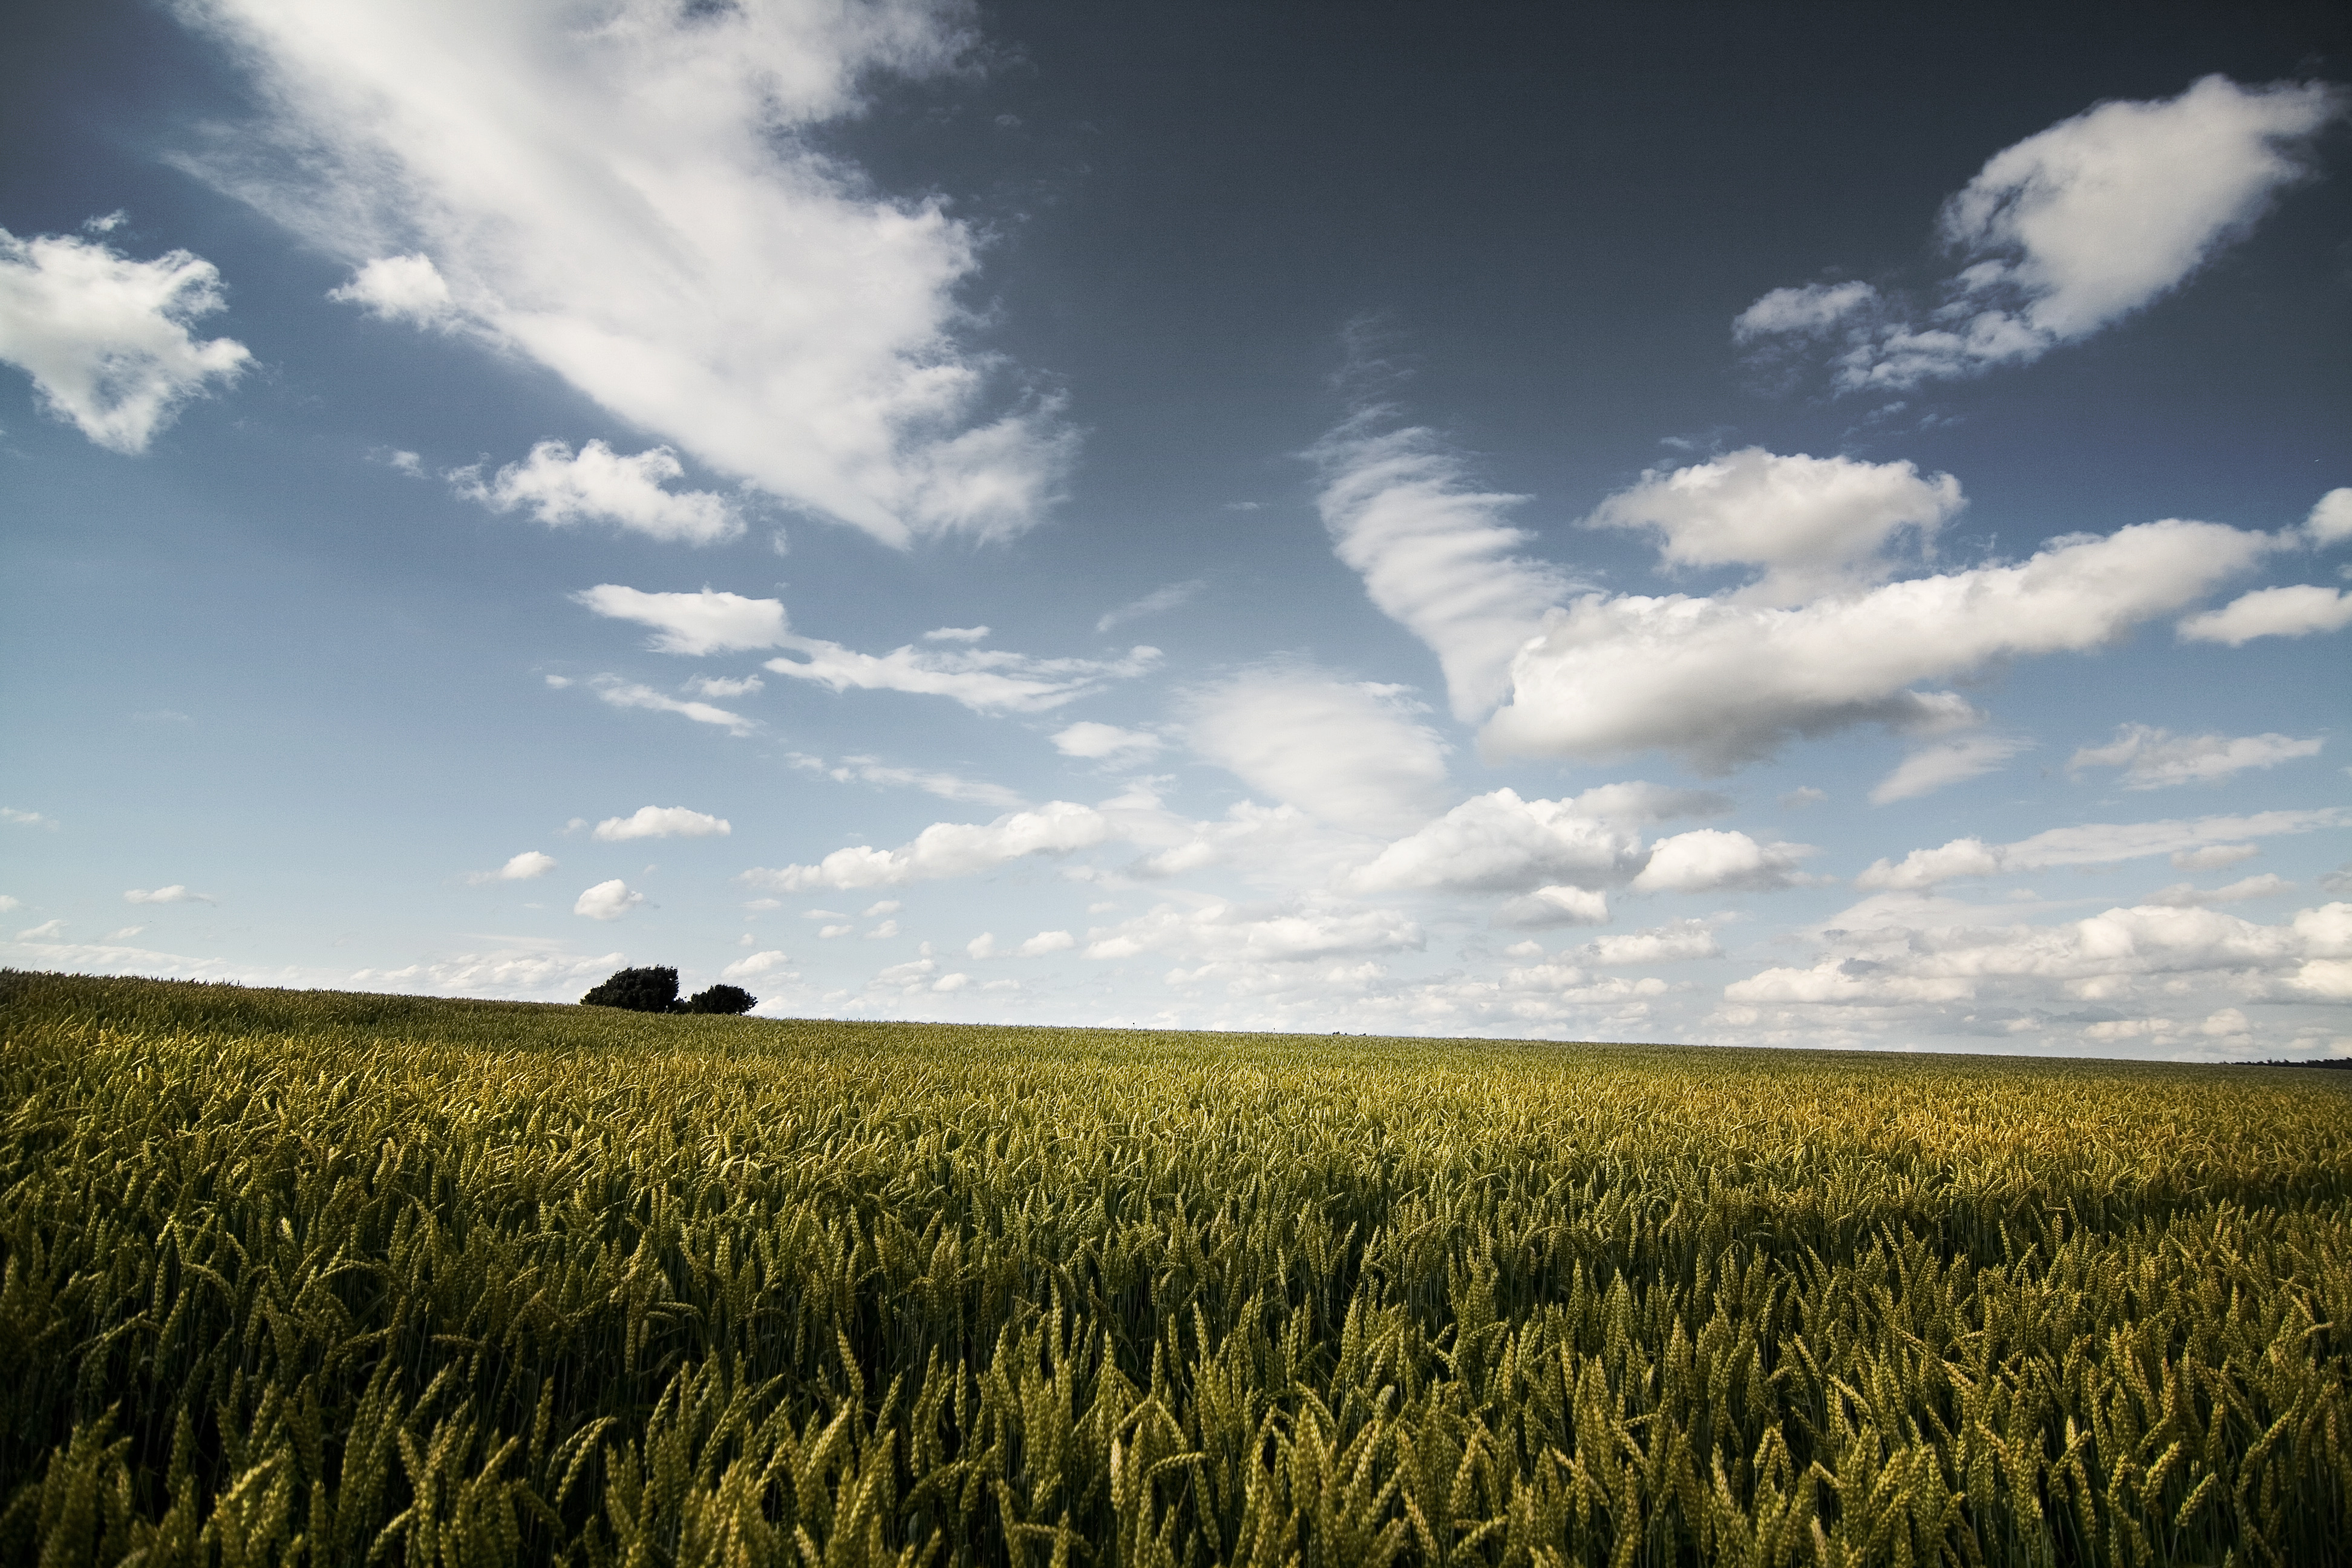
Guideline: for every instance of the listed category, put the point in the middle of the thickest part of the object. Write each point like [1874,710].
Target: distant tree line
[653,989]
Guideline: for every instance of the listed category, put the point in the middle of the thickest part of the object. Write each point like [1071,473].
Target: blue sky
[1754,525]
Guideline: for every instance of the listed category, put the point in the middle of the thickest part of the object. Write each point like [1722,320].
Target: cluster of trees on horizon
[653,989]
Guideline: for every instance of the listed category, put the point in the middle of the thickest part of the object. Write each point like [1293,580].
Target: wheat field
[329,1278]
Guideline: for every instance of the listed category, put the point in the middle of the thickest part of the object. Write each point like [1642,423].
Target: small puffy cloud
[2291,612]
[1152,604]
[647,207]
[1815,524]
[2092,844]
[1046,942]
[1096,742]
[946,983]
[947,849]
[881,907]
[398,289]
[1931,767]
[1711,859]
[1726,682]
[1350,754]
[16,818]
[619,693]
[105,338]
[2330,521]
[607,901]
[521,868]
[599,485]
[1436,553]
[661,822]
[8,902]
[2067,232]
[1554,905]
[956,634]
[692,624]
[42,932]
[175,894]
[982,946]
[725,685]
[751,966]
[1499,842]
[1659,944]
[2152,758]
[2183,896]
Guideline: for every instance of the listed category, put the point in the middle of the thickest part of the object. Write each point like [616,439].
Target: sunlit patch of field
[340,1279]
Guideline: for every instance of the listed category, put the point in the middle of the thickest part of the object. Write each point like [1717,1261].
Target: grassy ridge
[346,1278]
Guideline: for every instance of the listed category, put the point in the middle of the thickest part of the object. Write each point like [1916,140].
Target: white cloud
[2330,521]
[1815,524]
[947,786]
[1554,905]
[398,289]
[1710,859]
[42,932]
[642,207]
[1499,842]
[952,982]
[725,685]
[1931,767]
[884,932]
[882,907]
[1094,742]
[1435,553]
[106,339]
[2291,612]
[175,894]
[1152,604]
[525,968]
[15,819]
[8,902]
[956,634]
[826,933]
[662,822]
[1349,754]
[1225,932]
[1046,942]
[750,966]
[1725,683]
[599,485]
[1637,800]
[693,624]
[948,849]
[982,946]
[521,868]
[2214,857]
[2152,758]
[2092,844]
[2069,231]
[1660,944]
[123,933]
[607,901]
[2183,896]
[983,680]
[619,693]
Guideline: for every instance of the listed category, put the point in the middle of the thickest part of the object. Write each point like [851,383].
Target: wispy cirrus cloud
[2155,758]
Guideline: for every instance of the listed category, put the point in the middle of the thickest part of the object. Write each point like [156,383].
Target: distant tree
[723,999]
[649,990]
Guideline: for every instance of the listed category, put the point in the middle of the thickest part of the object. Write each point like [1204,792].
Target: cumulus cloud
[1350,754]
[619,693]
[751,966]
[1435,552]
[399,289]
[643,206]
[1216,930]
[2153,758]
[947,849]
[1046,942]
[1499,842]
[1725,682]
[2330,521]
[2092,844]
[2292,612]
[662,822]
[1667,943]
[607,901]
[726,685]
[521,868]
[2067,232]
[1711,859]
[599,485]
[1560,905]
[692,624]
[1160,599]
[1931,767]
[1815,525]
[1097,741]
[175,894]
[106,339]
